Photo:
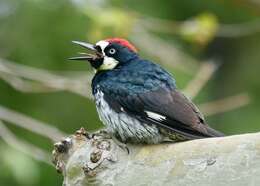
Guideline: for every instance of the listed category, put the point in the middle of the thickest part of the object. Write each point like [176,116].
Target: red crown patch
[122,42]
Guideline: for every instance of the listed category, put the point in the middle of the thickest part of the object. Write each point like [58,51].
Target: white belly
[127,128]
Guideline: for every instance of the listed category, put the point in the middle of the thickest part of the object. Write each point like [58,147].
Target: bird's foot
[102,133]
[122,145]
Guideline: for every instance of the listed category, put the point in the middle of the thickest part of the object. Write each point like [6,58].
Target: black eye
[112,51]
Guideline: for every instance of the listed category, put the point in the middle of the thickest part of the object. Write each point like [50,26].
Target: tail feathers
[214,133]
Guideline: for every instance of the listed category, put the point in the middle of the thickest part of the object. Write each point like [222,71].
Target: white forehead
[103,44]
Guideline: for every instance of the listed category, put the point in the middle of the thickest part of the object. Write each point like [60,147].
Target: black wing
[169,109]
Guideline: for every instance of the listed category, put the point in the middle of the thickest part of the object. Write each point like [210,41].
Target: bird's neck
[128,59]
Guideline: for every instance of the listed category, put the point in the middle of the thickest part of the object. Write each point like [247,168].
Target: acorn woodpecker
[137,100]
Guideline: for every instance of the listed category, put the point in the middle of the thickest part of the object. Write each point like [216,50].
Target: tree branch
[27,148]
[30,124]
[225,104]
[167,53]
[203,75]
[86,159]
[30,79]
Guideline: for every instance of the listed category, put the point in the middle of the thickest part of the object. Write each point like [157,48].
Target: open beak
[87,56]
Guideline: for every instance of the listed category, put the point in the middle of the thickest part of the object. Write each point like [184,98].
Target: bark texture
[95,159]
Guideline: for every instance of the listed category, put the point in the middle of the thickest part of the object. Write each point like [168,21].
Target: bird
[137,100]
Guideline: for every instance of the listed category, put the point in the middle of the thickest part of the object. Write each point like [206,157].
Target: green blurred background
[38,33]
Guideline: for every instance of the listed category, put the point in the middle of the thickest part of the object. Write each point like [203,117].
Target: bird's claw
[120,144]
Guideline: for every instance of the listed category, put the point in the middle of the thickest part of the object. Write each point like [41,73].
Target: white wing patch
[155,116]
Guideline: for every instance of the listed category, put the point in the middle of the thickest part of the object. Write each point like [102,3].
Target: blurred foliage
[200,30]
[108,22]
[38,33]
[21,167]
